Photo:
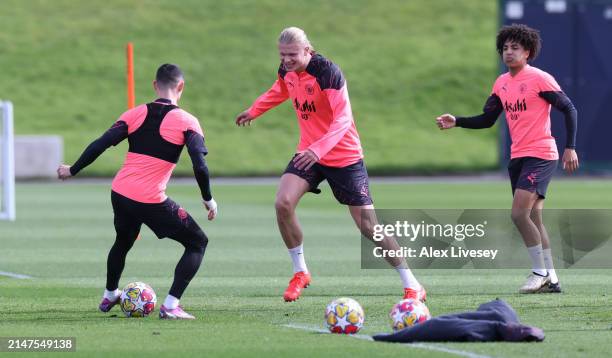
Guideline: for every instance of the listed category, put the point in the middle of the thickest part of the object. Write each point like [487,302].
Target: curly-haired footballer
[526,94]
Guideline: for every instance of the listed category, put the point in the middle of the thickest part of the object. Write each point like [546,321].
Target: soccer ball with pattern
[344,316]
[407,313]
[138,300]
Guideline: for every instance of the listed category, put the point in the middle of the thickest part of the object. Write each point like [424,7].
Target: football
[138,300]
[407,313]
[344,316]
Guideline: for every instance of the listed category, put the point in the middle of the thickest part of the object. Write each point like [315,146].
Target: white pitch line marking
[14,275]
[409,345]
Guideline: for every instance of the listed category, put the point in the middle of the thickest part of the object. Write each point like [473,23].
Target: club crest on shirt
[523,88]
[309,89]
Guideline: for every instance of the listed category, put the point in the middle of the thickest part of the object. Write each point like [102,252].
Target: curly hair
[526,36]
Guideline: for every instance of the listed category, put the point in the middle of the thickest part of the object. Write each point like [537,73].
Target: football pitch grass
[64,231]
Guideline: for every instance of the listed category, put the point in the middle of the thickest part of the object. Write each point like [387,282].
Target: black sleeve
[492,109]
[560,101]
[113,136]
[197,150]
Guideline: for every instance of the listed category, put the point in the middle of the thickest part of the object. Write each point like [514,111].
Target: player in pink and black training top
[526,94]
[157,133]
[329,149]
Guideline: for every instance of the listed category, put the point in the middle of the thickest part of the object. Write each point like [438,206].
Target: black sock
[116,262]
[185,270]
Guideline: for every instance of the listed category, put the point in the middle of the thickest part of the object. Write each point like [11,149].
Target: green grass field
[64,231]
[406,62]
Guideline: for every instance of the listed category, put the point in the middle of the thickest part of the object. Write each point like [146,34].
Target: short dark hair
[526,36]
[168,75]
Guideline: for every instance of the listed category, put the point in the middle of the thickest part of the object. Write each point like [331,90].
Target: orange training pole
[130,75]
[130,82]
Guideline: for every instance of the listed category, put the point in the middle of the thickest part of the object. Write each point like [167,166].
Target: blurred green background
[63,67]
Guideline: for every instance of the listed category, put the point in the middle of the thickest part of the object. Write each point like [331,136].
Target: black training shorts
[166,219]
[531,174]
[349,184]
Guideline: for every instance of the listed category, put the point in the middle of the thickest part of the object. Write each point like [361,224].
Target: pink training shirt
[321,102]
[144,178]
[528,114]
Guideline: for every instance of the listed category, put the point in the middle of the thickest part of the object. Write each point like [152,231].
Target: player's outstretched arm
[276,95]
[113,136]
[492,109]
[197,150]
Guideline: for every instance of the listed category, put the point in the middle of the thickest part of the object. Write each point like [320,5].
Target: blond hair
[294,35]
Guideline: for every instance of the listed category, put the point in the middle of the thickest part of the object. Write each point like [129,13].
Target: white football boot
[534,283]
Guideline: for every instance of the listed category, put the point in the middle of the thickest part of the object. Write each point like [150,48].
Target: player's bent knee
[283,206]
[194,240]
[520,216]
[201,242]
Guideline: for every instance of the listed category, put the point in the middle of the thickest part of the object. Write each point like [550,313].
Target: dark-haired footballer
[526,94]
[157,133]
[329,149]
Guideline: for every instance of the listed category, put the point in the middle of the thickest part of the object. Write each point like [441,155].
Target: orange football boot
[300,281]
[419,294]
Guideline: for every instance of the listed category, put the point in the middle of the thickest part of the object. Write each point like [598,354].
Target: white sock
[171,302]
[297,256]
[548,262]
[537,259]
[112,295]
[408,279]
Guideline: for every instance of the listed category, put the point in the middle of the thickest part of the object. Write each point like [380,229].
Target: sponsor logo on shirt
[304,108]
[514,109]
